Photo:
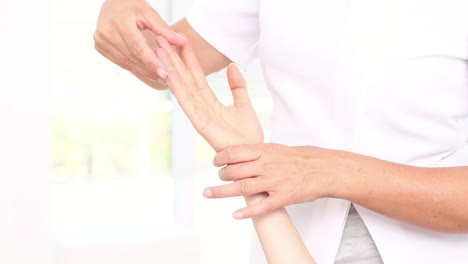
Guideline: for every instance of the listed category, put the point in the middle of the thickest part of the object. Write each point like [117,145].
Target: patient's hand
[220,125]
[224,125]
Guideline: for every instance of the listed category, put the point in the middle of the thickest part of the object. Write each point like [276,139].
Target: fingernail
[162,73]
[237,215]
[162,81]
[235,65]
[180,36]
[207,193]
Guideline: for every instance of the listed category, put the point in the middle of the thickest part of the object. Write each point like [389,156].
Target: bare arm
[280,240]
[223,125]
[433,198]
[210,59]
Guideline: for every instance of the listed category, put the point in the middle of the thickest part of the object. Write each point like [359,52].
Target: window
[128,168]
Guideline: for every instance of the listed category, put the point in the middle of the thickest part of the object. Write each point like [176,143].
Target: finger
[115,44]
[238,153]
[240,188]
[158,26]
[238,86]
[114,55]
[111,45]
[159,84]
[191,62]
[177,62]
[140,50]
[263,207]
[177,84]
[240,171]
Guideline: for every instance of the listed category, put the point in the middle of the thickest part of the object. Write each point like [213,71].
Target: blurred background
[126,170]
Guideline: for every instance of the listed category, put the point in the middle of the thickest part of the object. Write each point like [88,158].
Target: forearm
[433,198]
[210,59]
[222,126]
[279,238]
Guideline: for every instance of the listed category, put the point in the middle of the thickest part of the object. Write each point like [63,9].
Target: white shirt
[387,79]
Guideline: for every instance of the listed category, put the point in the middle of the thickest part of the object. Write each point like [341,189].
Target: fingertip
[238,215]
[235,76]
[217,162]
[164,73]
[207,193]
[181,38]
[175,38]
[234,67]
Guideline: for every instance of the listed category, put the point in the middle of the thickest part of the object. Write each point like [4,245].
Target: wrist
[352,175]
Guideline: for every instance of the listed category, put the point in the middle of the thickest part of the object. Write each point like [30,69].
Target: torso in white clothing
[382,78]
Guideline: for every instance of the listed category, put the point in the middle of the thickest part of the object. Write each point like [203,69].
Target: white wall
[25,138]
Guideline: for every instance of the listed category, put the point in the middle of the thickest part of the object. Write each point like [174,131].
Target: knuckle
[293,197]
[222,174]
[137,48]
[268,148]
[231,153]
[244,187]
[231,172]
[127,65]
[122,18]
[267,207]
[96,38]
[152,18]
[171,50]
[97,47]
[103,31]
[123,65]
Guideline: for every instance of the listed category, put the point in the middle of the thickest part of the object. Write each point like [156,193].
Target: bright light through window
[117,150]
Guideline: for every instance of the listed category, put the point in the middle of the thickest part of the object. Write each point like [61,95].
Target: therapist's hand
[289,175]
[220,125]
[125,35]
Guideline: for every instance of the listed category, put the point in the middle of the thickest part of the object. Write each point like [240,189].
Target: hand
[125,35]
[220,125]
[289,175]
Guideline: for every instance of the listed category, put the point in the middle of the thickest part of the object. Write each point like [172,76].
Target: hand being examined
[224,125]
[220,125]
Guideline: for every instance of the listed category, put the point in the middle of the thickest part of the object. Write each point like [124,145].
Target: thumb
[238,86]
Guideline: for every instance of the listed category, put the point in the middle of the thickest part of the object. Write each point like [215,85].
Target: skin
[219,125]
[432,198]
[126,32]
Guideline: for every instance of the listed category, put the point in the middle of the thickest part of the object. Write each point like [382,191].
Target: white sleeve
[230,26]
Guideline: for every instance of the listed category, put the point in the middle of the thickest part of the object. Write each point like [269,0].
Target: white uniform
[387,79]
